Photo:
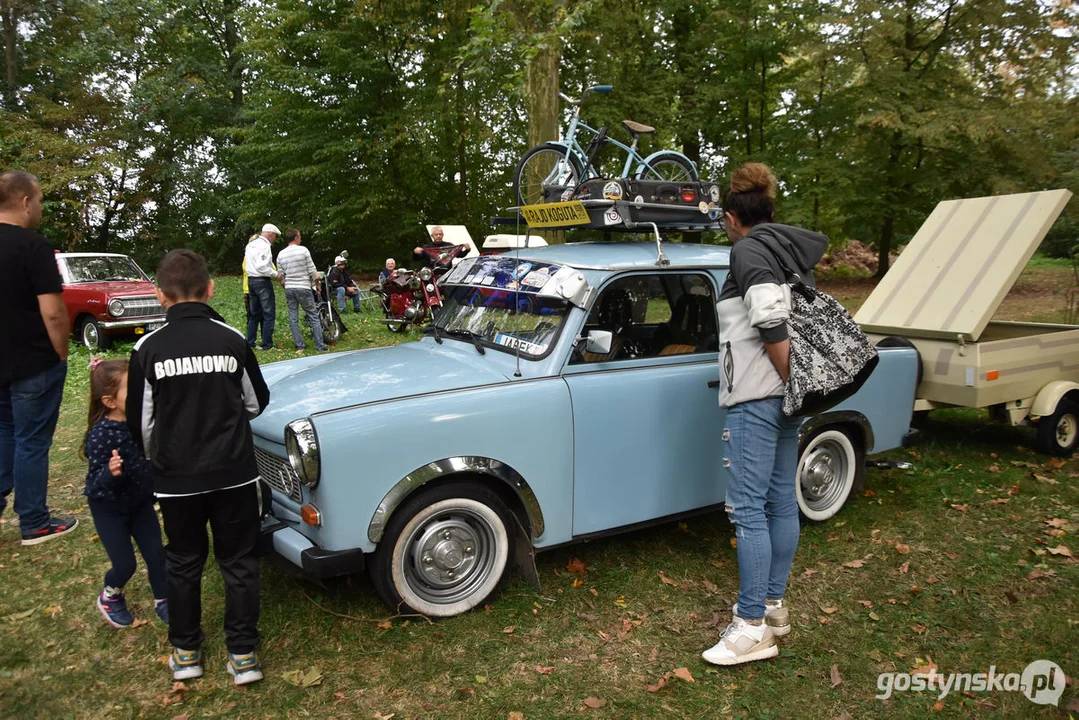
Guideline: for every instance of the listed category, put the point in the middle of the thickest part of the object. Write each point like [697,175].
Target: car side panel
[367,450]
[887,398]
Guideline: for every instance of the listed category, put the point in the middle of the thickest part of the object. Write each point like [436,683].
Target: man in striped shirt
[300,273]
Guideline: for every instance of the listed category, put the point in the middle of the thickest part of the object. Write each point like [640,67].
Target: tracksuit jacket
[193,386]
[754,305]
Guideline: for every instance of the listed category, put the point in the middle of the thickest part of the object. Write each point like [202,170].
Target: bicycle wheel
[543,173]
[669,166]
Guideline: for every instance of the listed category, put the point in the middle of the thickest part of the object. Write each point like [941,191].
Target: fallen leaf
[684,674]
[854,563]
[594,702]
[171,699]
[576,566]
[509,629]
[1055,463]
[875,655]
[481,679]
[902,549]
[514,715]
[1073,705]
[960,508]
[828,610]
[874,617]
[1057,523]
[924,667]
[1046,480]
[837,679]
[660,684]
[915,589]
[653,655]
[950,556]
[808,573]
[179,687]
[577,582]
[938,705]
[53,610]
[1000,501]
[380,716]
[138,623]
[621,601]
[385,624]
[904,568]
[1014,489]
[1055,533]
[339,695]
[734,542]
[542,670]
[994,468]
[866,603]
[710,587]
[1011,596]
[919,628]
[667,581]
[1061,550]
[14,617]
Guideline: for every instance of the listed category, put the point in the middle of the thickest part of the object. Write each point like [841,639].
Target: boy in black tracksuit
[193,385]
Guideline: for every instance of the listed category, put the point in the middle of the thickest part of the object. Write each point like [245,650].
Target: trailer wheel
[1058,434]
[828,466]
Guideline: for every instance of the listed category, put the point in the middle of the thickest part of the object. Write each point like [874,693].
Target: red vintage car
[107,295]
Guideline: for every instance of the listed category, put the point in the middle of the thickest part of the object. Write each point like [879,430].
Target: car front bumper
[130,323]
[315,562]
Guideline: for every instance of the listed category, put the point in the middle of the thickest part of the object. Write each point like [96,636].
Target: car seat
[614,313]
[692,327]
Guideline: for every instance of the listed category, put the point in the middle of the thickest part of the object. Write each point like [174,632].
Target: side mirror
[598,342]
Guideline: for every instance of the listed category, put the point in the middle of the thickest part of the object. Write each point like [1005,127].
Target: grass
[956,569]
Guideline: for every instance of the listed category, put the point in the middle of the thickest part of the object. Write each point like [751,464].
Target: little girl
[119,489]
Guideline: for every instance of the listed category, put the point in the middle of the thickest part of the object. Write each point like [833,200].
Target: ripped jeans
[761,445]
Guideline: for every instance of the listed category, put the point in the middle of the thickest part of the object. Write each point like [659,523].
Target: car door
[646,425]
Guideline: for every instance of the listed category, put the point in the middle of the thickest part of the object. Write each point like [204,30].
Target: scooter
[408,297]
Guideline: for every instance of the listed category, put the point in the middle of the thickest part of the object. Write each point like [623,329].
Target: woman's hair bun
[754,177]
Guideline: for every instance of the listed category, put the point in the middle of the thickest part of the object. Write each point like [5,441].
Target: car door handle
[713,383]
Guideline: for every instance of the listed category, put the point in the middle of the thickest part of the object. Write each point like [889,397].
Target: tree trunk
[891,193]
[232,57]
[462,154]
[541,94]
[10,22]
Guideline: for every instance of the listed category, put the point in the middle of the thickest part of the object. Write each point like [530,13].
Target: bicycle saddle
[636,128]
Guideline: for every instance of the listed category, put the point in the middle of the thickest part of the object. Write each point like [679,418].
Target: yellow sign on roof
[958,267]
[557,214]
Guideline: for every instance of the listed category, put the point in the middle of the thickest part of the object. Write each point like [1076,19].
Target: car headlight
[116,307]
[425,274]
[301,443]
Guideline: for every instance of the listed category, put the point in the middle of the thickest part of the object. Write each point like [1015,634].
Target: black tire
[830,465]
[331,329]
[92,336]
[671,167]
[537,166]
[445,550]
[1058,434]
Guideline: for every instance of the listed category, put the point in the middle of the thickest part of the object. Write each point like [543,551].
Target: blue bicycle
[546,172]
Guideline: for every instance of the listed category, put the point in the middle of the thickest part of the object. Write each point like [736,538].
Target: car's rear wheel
[444,551]
[92,335]
[827,469]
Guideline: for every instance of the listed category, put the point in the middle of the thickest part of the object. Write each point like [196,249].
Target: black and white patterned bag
[831,358]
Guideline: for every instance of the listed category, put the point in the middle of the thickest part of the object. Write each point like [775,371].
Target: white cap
[338,259]
[270,228]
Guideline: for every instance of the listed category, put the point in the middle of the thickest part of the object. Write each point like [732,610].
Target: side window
[654,315]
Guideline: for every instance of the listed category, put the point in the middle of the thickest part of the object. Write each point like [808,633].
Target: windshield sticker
[521,344]
[536,278]
[612,190]
[489,280]
[506,273]
[521,270]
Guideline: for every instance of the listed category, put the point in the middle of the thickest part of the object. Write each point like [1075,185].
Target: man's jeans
[263,308]
[341,293]
[29,409]
[761,445]
[296,298]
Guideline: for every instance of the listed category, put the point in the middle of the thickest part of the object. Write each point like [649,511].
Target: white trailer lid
[956,270]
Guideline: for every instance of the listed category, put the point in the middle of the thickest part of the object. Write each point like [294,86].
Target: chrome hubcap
[89,335]
[823,475]
[1067,427]
[450,556]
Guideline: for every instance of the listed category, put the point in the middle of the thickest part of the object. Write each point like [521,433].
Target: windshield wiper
[433,329]
[471,336]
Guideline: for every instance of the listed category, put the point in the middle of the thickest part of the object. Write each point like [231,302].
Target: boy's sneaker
[161,607]
[114,609]
[244,668]
[185,664]
[742,642]
[776,615]
[55,528]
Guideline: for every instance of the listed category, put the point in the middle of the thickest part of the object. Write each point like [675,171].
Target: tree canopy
[167,123]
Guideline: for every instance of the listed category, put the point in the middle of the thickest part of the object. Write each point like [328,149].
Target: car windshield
[97,268]
[499,305]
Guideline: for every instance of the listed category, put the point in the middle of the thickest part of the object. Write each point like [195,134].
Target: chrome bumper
[131,322]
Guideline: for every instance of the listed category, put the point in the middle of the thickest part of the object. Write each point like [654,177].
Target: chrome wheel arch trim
[448,467]
[838,417]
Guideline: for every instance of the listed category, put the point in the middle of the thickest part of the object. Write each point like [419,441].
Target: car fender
[1045,402]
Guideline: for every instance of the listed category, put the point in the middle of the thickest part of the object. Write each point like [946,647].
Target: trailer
[940,298]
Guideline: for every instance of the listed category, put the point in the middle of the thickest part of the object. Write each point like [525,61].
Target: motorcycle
[408,297]
[333,327]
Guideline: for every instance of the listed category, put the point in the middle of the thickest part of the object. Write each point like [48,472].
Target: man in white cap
[342,285]
[258,263]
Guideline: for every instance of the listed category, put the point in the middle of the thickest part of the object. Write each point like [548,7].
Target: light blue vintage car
[563,393]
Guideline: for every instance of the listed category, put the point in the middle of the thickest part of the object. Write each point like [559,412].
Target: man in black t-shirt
[34,334]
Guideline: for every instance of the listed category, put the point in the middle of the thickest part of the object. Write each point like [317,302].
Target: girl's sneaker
[244,668]
[777,615]
[742,642]
[114,610]
[161,607]
[185,664]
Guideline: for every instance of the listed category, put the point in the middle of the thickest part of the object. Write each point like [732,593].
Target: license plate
[153,326]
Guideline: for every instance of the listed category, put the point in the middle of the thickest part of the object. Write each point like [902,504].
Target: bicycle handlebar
[586,93]
[602,88]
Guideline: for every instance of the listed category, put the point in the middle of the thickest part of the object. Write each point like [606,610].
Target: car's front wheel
[92,335]
[444,551]
[827,469]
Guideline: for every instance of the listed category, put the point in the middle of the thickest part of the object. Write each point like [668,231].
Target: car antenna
[516,289]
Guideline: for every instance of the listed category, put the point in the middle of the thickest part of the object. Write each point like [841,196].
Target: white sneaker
[741,643]
[244,668]
[776,615]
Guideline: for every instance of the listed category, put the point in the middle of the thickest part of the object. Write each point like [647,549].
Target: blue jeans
[117,522]
[341,294]
[29,409]
[296,298]
[761,446]
[263,308]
